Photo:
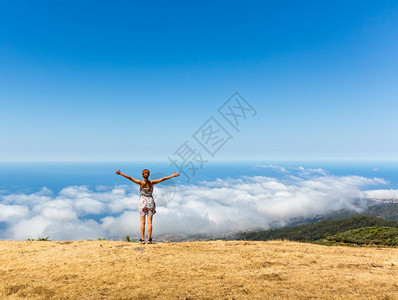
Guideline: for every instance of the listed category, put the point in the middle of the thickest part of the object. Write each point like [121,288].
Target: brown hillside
[195,270]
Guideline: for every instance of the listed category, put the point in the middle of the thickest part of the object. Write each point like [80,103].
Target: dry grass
[195,270]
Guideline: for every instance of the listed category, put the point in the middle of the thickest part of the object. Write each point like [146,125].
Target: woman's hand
[118,172]
[176,174]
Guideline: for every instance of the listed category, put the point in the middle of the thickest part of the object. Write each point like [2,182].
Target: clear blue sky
[132,80]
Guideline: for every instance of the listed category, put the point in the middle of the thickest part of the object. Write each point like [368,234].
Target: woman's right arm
[128,177]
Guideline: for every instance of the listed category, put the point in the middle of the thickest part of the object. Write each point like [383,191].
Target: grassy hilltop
[195,270]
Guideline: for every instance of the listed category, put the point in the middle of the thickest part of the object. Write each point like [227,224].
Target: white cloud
[381,194]
[89,206]
[273,167]
[42,196]
[53,213]
[222,205]
[126,224]
[299,170]
[11,213]
[75,230]
[28,228]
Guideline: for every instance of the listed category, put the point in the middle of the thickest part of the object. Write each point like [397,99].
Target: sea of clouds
[223,205]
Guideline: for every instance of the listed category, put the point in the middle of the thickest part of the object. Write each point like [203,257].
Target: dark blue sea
[30,177]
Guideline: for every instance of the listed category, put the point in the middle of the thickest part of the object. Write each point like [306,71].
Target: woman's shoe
[149,241]
[142,242]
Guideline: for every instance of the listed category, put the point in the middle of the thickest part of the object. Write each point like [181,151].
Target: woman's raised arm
[165,178]
[128,177]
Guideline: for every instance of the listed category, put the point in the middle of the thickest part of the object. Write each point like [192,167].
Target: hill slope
[315,231]
[377,235]
[195,270]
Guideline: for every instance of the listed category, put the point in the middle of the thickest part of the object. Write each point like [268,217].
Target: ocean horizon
[32,176]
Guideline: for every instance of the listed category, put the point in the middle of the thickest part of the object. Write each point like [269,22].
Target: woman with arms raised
[147,206]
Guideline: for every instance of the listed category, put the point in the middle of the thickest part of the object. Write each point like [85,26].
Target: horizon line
[271,160]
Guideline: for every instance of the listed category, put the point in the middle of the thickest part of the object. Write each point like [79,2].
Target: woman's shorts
[147,206]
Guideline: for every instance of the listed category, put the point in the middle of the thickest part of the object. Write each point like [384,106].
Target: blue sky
[129,80]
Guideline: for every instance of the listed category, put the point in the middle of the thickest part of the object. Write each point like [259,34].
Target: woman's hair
[146,170]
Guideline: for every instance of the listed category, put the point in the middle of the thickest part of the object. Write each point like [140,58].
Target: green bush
[376,235]
[46,239]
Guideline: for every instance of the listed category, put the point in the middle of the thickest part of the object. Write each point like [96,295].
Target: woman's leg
[143,227]
[150,227]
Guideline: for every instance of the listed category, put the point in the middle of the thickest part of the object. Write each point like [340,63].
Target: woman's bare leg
[143,227]
[149,226]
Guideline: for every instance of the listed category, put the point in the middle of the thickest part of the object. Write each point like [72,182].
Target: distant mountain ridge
[386,211]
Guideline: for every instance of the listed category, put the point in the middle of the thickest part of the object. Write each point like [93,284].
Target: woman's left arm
[165,178]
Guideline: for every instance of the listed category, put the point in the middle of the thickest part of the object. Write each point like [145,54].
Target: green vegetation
[316,231]
[128,238]
[46,239]
[376,235]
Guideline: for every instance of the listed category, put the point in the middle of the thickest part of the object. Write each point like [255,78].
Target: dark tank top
[147,192]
